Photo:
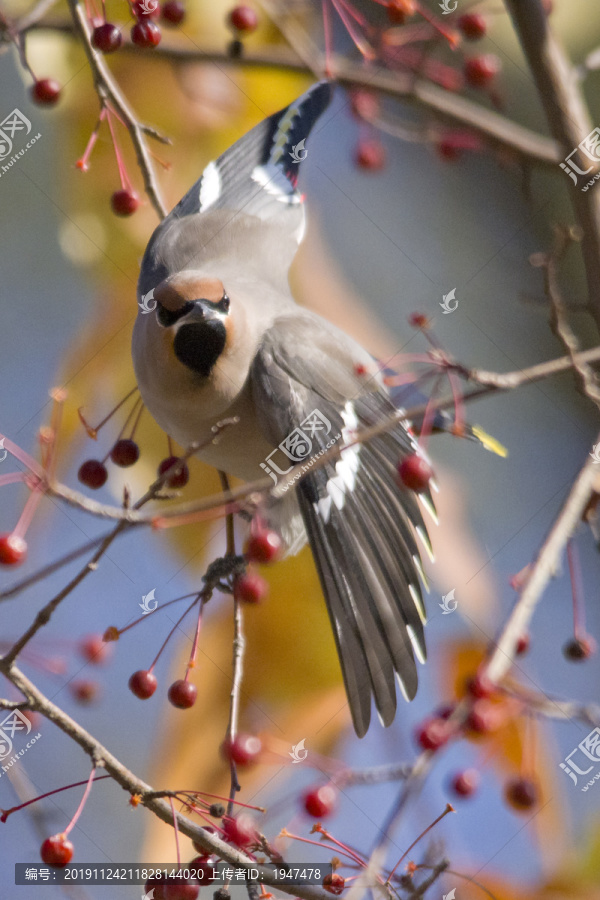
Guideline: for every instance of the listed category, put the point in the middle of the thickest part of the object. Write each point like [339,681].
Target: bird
[225,338]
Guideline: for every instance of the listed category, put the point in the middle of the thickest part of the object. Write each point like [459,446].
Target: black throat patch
[199,345]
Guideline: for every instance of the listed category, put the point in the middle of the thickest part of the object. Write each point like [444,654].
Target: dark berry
[57,851]
[243,19]
[433,733]
[250,588]
[321,801]
[92,473]
[203,865]
[146,34]
[243,750]
[124,202]
[480,686]
[579,649]
[240,830]
[465,783]
[173,12]
[473,26]
[143,684]
[370,155]
[414,472]
[263,546]
[106,38]
[182,694]
[334,883]
[484,717]
[522,793]
[181,890]
[418,320]
[400,10]
[178,478]
[13,549]
[480,70]
[448,150]
[125,453]
[523,645]
[45,92]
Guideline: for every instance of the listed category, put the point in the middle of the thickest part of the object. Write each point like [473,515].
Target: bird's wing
[361,526]
[252,184]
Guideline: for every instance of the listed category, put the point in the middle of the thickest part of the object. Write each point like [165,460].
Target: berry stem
[327,37]
[362,862]
[28,461]
[362,45]
[194,649]
[173,630]
[79,809]
[82,163]
[147,615]
[296,837]
[20,529]
[579,631]
[430,410]
[449,809]
[13,478]
[7,812]
[176,830]
[125,182]
[93,432]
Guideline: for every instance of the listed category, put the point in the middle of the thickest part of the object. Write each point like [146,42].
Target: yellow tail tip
[490,443]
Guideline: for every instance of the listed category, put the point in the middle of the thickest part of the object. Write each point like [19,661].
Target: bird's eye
[168,317]
[223,304]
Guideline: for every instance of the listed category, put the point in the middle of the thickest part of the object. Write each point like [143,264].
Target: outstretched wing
[255,179]
[362,527]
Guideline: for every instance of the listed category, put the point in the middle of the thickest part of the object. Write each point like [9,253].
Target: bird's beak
[200,312]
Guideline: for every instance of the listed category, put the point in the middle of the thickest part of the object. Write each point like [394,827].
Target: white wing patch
[210,186]
[274,182]
[346,467]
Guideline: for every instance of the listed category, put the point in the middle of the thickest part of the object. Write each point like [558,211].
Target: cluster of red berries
[182,693]
[126,452]
[262,547]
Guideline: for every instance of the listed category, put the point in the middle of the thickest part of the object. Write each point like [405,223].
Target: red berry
[370,154]
[364,104]
[579,649]
[433,734]
[57,851]
[143,684]
[523,645]
[321,801]
[400,10]
[146,34]
[182,694]
[522,793]
[243,18]
[13,549]
[414,472]
[173,12]
[334,883]
[243,750]
[480,70]
[45,92]
[418,320]
[480,686]
[250,588]
[181,890]
[94,649]
[465,783]
[92,473]
[145,9]
[203,865]
[448,150]
[125,453]
[106,38]
[124,202]
[473,26]
[178,479]
[263,546]
[484,717]
[240,830]
[444,712]
[85,691]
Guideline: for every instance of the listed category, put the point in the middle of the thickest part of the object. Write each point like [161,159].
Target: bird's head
[195,317]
